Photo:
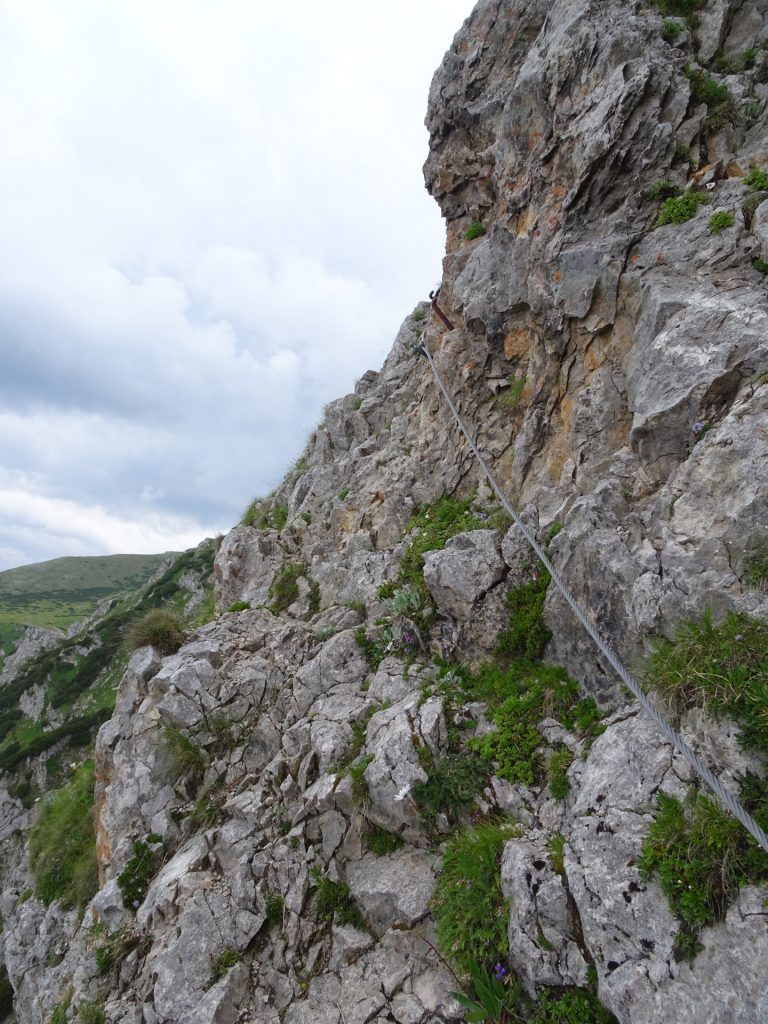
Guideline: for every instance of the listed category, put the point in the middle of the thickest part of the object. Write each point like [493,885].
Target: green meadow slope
[56,593]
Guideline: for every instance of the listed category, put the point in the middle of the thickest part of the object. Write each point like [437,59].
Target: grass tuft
[679,209]
[62,845]
[723,668]
[159,628]
[334,901]
[469,908]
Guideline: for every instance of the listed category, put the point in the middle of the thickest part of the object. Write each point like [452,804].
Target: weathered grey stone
[393,890]
[542,950]
[463,571]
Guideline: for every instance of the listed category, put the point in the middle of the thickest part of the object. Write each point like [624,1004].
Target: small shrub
[670,29]
[576,1006]
[523,695]
[469,909]
[386,591]
[375,646]
[474,231]
[678,210]
[680,8]
[760,265]
[510,399]
[62,845]
[381,842]
[285,587]
[453,783]
[188,760]
[91,1013]
[239,606]
[757,179]
[720,221]
[224,962]
[526,636]
[112,952]
[334,901]
[343,493]
[159,628]
[702,856]
[704,89]
[665,189]
[208,810]
[134,880]
[279,517]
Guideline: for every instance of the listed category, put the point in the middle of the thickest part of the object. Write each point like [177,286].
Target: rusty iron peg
[433,296]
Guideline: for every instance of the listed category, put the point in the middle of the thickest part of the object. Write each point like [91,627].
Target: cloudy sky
[213,220]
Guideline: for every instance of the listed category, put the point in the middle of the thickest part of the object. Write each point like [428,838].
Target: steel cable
[726,799]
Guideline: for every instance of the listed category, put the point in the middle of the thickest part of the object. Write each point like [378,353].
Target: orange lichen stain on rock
[466,369]
[103,842]
[734,170]
[518,342]
[534,138]
[527,221]
[557,450]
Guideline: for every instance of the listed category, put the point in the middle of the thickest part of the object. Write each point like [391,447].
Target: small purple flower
[738,637]
[698,426]
[499,971]
[481,515]
[136,904]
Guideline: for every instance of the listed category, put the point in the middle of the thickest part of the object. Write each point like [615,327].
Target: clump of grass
[679,209]
[721,667]
[375,644]
[670,29]
[285,587]
[343,493]
[188,760]
[62,845]
[275,905]
[239,606]
[91,1012]
[760,265]
[665,189]
[359,785]
[720,221]
[381,842]
[756,561]
[453,782]
[475,230]
[721,108]
[702,856]
[521,695]
[559,762]
[334,901]
[224,962]
[510,398]
[133,881]
[469,907]
[112,952]
[526,636]
[208,810]
[757,179]
[556,847]
[575,1006]
[160,628]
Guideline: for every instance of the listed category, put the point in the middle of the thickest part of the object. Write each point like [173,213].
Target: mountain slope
[57,593]
[392,769]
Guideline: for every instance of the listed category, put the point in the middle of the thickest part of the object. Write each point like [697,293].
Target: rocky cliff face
[616,374]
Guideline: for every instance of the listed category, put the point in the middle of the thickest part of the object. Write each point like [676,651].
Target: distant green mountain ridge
[59,592]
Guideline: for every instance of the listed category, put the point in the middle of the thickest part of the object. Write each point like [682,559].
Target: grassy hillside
[79,675]
[65,590]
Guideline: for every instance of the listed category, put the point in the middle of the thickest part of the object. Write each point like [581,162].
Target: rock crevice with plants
[390,780]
